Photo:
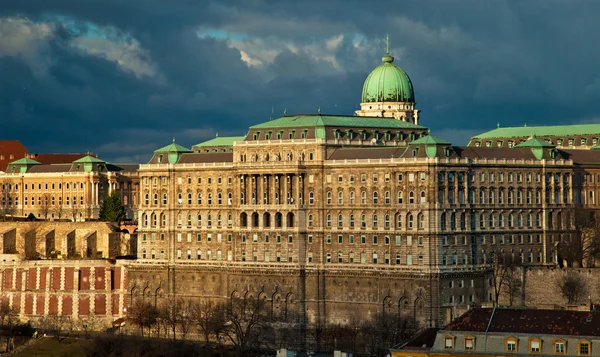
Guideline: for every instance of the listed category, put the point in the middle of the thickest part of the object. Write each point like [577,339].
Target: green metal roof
[534,143]
[320,120]
[25,161]
[387,83]
[173,147]
[430,140]
[88,159]
[221,141]
[541,131]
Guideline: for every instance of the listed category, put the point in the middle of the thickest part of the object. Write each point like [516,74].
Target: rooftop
[322,120]
[221,141]
[554,130]
[529,321]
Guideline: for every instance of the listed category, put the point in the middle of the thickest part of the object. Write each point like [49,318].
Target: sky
[123,78]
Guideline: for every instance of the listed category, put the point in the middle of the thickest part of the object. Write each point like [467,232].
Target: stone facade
[84,290]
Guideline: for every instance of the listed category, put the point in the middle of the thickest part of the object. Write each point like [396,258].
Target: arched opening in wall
[159,296]
[134,295]
[148,295]
[255,219]
[278,220]
[266,219]
[276,308]
[419,312]
[387,305]
[289,220]
[244,219]
[290,310]
[403,308]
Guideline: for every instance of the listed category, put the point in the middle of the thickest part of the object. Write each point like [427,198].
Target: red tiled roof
[532,321]
[10,150]
[49,159]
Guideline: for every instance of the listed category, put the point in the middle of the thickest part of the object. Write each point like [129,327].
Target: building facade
[330,216]
[341,215]
[72,191]
[510,332]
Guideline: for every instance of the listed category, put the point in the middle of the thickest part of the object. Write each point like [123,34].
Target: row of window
[493,196]
[534,345]
[411,177]
[386,199]
[518,177]
[455,221]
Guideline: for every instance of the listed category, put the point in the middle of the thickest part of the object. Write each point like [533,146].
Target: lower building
[510,332]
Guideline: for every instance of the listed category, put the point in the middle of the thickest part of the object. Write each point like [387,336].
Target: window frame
[513,340]
[529,345]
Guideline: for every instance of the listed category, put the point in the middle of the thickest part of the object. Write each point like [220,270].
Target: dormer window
[469,343]
[511,144]
[510,344]
[478,144]
[583,141]
[584,348]
[488,144]
[535,345]
[448,342]
[559,347]
[500,143]
[571,142]
[160,158]
[595,141]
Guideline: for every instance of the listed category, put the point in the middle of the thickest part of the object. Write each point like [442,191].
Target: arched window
[210,198]
[411,197]
[375,221]
[340,221]
[154,222]
[219,198]
[400,199]
[363,221]
[199,220]
[423,197]
[363,197]
[146,199]
[351,197]
[387,197]
[180,198]
[229,198]
[410,221]
[421,221]
[351,221]
[510,220]
[398,221]
[164,199]
[145,219]
[375,197]
[311,197]
[155,200]
[199,199]
[163,220]
[328,197]
[328,220]
[340,197]
[386,222]
[310,220]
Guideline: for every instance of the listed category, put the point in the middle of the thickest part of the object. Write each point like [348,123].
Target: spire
[387,58]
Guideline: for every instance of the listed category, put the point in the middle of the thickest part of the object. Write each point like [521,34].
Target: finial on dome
[525,125]
[498,125]
[285,112]
[319,110]
[387,58]
[217,135]
[173,140]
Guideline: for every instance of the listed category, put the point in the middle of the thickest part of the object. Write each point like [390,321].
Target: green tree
[112,210]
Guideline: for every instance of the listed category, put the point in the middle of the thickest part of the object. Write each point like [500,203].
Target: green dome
[388,83]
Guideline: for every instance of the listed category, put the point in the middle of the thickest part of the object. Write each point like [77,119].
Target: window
[584,348]
[511,345]
[534,345]
[469,343]
[559,347]
[449,342]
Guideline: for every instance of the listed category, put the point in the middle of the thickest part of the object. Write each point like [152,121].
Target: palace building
[330,217]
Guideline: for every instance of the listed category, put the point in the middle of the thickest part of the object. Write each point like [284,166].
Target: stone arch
[243,219]
[159,295]
[276,305]
[147,293]
[290,307]
[289,221]
[403,306]
[387,305]
[419,309]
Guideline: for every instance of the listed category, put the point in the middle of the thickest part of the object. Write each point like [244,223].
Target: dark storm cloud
[124,77]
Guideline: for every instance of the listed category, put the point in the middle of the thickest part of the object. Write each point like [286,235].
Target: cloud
[123,78]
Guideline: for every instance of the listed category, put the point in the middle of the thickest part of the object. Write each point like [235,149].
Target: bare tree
[245,318]
[143,314]
[57,324]
[572,287]
[45,205]
[583,249]
[7,200]
[503,270]
[209,317]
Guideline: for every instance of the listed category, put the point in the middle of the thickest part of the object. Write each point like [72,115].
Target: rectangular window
[511,346]
[535,346]
[469,344]
[584,349]
[448,343]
